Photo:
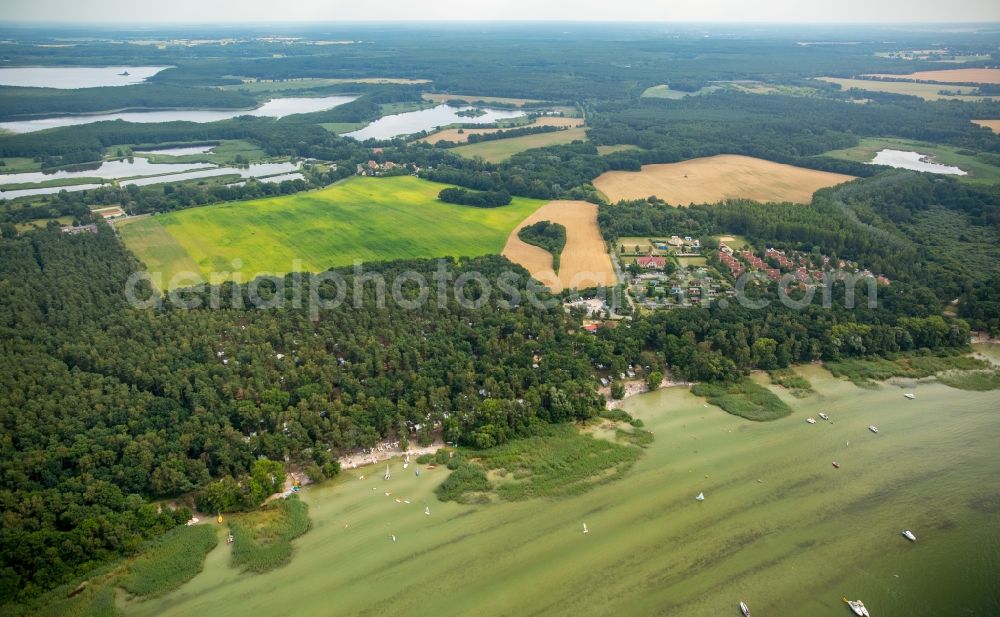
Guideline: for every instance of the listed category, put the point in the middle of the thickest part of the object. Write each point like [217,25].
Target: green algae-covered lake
[780,528]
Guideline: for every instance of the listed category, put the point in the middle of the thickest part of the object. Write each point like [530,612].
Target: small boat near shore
[836,465]
[873,428]
[811,420]
[910,395]
[909,535]
[824,416]
[744,609]
[858,607]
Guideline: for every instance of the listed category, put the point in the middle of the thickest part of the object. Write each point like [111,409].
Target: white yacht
[744,609]
[858,607]
[909,535]
[910,396]
[811,420]
[824,416]
[873,428]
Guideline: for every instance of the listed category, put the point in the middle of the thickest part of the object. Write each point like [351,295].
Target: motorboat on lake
[909,535]
[873,428]
[836,465]
[744,609]
[824,416]
[858,607]
[811,420]
[910,396]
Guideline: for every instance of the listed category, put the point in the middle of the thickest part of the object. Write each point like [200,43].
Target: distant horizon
[887,12]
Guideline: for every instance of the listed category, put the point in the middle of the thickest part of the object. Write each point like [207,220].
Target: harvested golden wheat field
[949,76]
[993,125]
[716,178]
[584,261]
[463,137]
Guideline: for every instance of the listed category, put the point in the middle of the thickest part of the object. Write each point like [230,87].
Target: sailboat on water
[387,471]
[700,497]
[585,530]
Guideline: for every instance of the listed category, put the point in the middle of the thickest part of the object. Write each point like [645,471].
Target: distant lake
[109,170]
[276,108]
[76,77]
[410,122]
[184,172]
[903,159]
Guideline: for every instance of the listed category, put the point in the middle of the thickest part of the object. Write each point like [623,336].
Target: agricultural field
[717,178]
[365,219]
[471,98]
[780,528]
[928,92]
[453,135]
[949,76]
[584,262]
[500,150]
[602,150]
[978,169]
[993,125]
[663,91]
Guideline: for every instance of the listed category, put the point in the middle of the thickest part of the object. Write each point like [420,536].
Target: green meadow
[979,169]
[780,527]
[367,219]
[499,150]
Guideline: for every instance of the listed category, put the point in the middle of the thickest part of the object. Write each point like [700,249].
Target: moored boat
[858,607]
[873,428]
[824,416]
[909,535]
[744,609]
[700,497]
[910,396]
[811,420]
[836,464]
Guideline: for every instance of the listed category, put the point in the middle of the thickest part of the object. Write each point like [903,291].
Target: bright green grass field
[780,528]
[367,219]
[500,150]
[979,171]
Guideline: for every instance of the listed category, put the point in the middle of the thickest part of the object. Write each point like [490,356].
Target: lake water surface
[780,528]
[410,122]
[276,108]
[169,172]
[903,159]
[77,76]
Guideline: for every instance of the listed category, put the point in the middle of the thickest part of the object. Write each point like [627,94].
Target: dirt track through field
[584,261]
[716,178]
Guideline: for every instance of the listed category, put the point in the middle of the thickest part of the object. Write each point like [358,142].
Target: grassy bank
[866,371]
[262,540]
[745,399]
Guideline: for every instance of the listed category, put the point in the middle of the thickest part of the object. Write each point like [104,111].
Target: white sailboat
[700,497]
[585,530]
[387,471]
[858,607]
[427,510]
[744,609]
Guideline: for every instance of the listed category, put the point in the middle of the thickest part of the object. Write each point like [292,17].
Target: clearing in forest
[453,135]
[366,219]
[993,125]
[928,92]
[584,261]
[499,150]
[717,178]
[474,98]
[949,76]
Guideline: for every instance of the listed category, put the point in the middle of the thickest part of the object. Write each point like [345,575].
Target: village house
[651,262]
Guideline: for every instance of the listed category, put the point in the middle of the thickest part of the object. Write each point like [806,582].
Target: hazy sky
[159,11]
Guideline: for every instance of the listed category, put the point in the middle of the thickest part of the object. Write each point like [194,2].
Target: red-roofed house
[651,262]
